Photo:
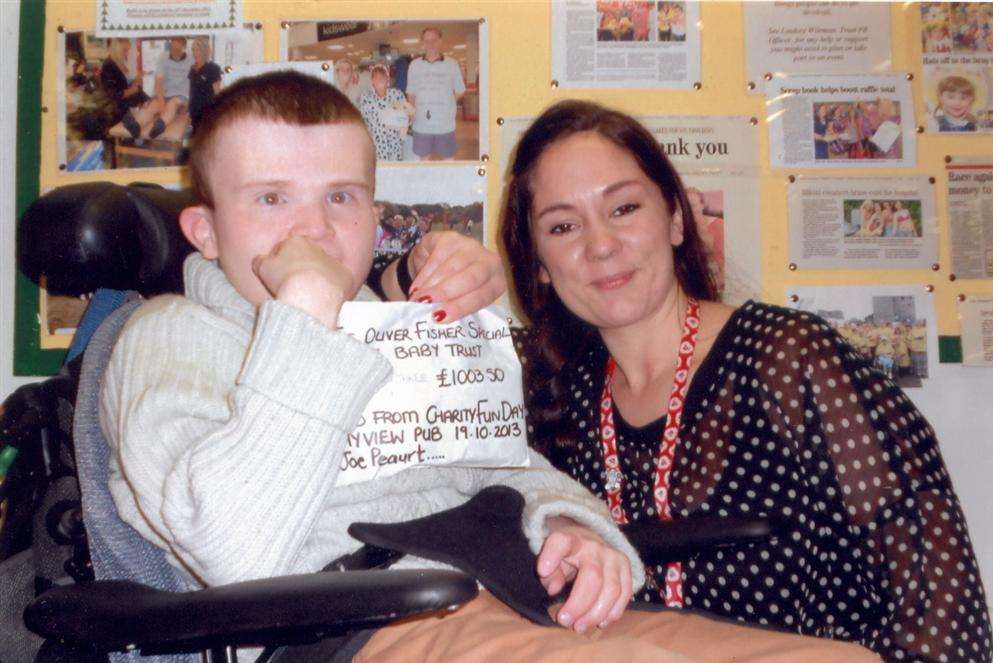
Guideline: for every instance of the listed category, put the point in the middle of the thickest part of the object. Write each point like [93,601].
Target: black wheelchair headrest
[102,235]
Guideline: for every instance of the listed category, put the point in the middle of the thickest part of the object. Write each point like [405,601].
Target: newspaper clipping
[815,37]
[128,18]
[863,223]
[717,160]
[841,121]
[970,216]
[957,61]
[976,319]
[892,326]
[625,43]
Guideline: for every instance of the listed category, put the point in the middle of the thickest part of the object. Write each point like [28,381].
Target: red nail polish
[426,299]
[438,316]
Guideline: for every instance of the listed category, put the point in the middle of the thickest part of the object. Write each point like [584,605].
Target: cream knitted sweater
[229,425]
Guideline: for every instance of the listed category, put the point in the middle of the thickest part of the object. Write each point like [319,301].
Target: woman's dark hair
[557,336]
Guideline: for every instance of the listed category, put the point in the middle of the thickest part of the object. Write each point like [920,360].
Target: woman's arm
[457,273]
[884,482]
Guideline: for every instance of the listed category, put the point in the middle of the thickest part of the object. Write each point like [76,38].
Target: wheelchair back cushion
[117,550]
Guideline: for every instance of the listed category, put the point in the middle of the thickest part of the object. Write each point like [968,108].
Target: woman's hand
[453,271]
[600,574]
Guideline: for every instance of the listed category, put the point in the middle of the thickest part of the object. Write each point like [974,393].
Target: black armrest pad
[661,542]
[482,537]
[113,615]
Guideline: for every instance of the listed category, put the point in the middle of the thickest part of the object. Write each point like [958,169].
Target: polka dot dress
[388,141]
[786,421]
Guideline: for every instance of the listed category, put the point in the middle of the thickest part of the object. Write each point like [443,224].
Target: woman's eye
[269,199]
[626,208]
[340,197]
[560,228]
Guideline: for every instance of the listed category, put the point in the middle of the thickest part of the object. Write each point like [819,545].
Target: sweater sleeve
[550,492]
[227,444]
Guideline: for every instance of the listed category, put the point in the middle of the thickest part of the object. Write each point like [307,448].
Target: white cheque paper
[454,397]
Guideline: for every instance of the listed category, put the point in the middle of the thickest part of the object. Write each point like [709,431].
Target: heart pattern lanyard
[673,590]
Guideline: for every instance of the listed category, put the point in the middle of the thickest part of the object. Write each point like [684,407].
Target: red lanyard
[673,593]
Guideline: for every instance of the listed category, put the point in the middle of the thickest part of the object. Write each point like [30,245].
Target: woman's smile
[614,281]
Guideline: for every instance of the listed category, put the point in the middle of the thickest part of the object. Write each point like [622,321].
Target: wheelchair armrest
[661,542]
[33,406]
[114,615]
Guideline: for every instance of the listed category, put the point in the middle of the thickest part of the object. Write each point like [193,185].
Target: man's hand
[601,575]
[299,273]
[455,272]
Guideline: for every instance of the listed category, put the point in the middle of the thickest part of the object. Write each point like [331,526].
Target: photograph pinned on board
[957,63]
[857,130]
[623,20]
[888,327]
[134,103]
[421,86]
[948,27]
[412,202]
[874,218]
[671,21]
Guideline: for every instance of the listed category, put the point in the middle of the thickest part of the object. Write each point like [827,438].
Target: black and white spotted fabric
[388,141]
[785,420]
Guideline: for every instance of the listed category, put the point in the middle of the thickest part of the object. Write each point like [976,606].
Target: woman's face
[603,232]
[343,73]
[380,81]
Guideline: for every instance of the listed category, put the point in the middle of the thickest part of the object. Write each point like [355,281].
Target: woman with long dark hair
[669,404]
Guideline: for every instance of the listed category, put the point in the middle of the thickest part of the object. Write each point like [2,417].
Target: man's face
[177,48]
[431,40]
[271,181]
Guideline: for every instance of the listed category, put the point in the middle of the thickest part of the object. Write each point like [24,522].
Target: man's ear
[197,224]
[676,228]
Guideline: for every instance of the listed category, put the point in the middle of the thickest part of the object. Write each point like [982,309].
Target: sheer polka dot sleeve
[379,264]
[875,463]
